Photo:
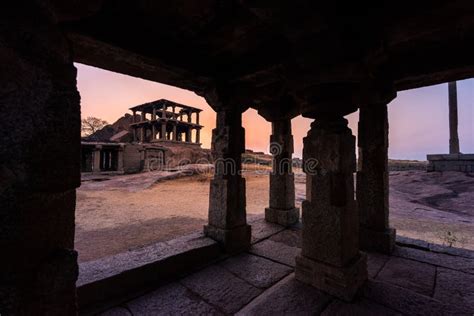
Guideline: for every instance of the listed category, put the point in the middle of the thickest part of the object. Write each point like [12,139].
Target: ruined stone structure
[153,139]
[455,160]
[156,123]
[317,59]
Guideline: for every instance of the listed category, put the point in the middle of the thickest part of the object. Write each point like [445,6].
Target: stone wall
[39,163]
[451,162]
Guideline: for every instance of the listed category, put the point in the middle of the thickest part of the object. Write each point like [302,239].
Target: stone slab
[455,288]
[358,307]
[276,251]
[262,229]
[288,297]
[130,271]
[412,243]
[407,302]
[413,275]
[116,311]
[375,263]
[452,251]
[221,288]
[172,299]
[257,271]
[447,261]
[289,237]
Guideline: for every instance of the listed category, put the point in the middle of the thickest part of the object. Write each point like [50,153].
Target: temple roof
[148,107]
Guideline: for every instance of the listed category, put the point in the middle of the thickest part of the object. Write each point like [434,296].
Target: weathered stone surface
[125,272]
[255,270]
[39,162]
[172,299]
[372,179]
[359,307]
[453,287]
[116,311]
[412,243]
[406,301]
[221,288]
[375,263]
[288,297]
[276,251]
[330,259]
[452,251]
[227,209]
[438,259]
[262,229]
[289,237]
[415,276]
[342,282]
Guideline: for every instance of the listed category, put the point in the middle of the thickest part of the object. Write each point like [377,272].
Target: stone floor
[418,279]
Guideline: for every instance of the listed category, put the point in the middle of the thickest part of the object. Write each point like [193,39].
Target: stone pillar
[188,134]
[120,159]
[133,118]
[96,159]
[330,259]
[163,130]
[190,117]
[453,118]
[282,180]
[153,131]
[197,118]
[143,116]
[40,163]
[134,130]
[142,134]
[227,214]
[175,136]
[198,135]
[372,180]
[163,111]
[153,115]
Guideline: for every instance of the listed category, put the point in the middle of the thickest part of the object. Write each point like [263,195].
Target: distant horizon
[418,118]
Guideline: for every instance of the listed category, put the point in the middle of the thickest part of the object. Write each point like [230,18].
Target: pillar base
[282,217]
[232,240]
[377,241]
[342,282]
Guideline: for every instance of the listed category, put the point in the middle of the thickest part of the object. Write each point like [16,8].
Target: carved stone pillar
[373,181]
[330,259]
[227,214]
[282,180]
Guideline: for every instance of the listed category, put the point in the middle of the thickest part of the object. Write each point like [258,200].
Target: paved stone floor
[418,279]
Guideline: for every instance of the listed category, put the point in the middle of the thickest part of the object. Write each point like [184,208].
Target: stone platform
[417,279]
[451,162]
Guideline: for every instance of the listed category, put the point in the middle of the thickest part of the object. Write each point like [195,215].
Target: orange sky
[418,118]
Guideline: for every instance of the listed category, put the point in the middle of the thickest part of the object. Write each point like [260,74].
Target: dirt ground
[111,219]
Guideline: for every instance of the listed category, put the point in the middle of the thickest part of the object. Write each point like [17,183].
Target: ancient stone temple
[159,134]
[321,60]
[165,120]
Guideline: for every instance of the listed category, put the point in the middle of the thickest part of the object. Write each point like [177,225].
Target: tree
[91,124]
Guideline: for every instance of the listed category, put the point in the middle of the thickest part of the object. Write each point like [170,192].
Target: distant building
[159,134]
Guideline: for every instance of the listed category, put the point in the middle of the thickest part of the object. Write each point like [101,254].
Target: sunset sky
[418,118]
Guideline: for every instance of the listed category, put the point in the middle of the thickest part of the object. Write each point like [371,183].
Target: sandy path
[423,206]
[108,222]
